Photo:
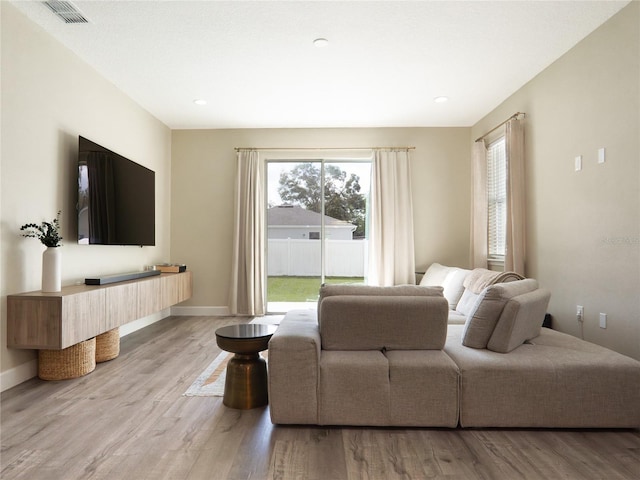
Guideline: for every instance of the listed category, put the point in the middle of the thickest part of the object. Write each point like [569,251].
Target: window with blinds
[497,197]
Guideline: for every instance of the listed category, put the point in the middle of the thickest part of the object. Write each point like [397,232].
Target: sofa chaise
[386,356]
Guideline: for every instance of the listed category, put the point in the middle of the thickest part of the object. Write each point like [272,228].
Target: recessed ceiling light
[320,42]
[441,99]
[200,101]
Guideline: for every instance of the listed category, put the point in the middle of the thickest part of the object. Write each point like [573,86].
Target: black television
[116,198]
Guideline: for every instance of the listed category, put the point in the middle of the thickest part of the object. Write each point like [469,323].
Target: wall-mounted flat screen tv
[116,198]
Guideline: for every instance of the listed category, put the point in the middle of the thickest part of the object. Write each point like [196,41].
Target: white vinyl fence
[301,258]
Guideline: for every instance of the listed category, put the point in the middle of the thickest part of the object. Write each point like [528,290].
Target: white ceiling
[255,63]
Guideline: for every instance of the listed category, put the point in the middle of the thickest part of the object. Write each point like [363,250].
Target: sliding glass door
[317,213]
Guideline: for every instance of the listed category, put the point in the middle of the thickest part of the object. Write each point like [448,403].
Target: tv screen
[116,198]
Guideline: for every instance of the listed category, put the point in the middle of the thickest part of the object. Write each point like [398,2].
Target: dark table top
[246,330]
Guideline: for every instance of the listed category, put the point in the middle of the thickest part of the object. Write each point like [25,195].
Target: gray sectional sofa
[387,356]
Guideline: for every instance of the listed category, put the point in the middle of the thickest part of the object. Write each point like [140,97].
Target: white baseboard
[16,375]
[136,325]
[200,311]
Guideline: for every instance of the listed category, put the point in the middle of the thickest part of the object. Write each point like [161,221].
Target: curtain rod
[237,149]
[515,115]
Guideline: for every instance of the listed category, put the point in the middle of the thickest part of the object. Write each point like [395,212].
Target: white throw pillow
[466,302]
[453,286]
[435,275]
[449,278]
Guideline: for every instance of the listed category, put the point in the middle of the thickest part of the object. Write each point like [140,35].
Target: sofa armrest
[294,356]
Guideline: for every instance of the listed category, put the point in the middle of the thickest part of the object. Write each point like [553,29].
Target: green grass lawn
[300,289]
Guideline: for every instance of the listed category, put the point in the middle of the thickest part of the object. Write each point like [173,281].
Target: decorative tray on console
[171,267]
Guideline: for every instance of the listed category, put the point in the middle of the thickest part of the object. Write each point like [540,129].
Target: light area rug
[210,383]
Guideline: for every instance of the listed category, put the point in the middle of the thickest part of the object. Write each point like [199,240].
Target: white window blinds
[497,196]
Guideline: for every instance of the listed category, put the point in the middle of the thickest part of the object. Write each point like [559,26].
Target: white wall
[49,97]
[583,228]
[203,177]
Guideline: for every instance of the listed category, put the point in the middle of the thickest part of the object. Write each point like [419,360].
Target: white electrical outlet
[601,155]
[578,163]
[580,313]
[603,320]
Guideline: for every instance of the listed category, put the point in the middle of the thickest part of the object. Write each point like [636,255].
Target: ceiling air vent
[67,11]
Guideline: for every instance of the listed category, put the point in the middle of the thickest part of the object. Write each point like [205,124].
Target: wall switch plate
[601,155]
[578,163]
[603,320]
[580,313]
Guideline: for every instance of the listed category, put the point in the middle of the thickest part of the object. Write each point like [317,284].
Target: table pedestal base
[246,383]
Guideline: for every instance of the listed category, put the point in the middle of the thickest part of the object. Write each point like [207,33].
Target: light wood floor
[129,420]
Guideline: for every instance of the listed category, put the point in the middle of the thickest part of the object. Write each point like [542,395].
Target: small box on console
[171,267]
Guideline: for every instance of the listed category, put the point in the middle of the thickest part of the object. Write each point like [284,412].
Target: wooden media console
[55,321]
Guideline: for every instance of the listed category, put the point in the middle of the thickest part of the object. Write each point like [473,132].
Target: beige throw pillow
[484,315]
[521,320]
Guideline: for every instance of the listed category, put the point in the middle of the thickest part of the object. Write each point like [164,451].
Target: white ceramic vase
[52,269]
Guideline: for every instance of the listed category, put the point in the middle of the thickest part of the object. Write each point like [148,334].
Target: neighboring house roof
[296,216]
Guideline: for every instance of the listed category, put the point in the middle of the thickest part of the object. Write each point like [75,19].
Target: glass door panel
[316,229]
[294,228]
[346,194]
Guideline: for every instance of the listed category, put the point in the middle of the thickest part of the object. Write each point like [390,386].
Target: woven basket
[108,345]
[72,362]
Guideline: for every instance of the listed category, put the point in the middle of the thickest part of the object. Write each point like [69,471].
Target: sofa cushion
[424,388]
[488,307]
[553,381]
[353,388]
[521,320]
[451,279]
[360,322]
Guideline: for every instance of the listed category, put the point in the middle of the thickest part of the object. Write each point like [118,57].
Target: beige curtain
[391,252]
[479,201]
[247,292]
[514,149]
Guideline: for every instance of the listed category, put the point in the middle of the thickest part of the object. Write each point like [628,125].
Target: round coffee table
[246,384]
